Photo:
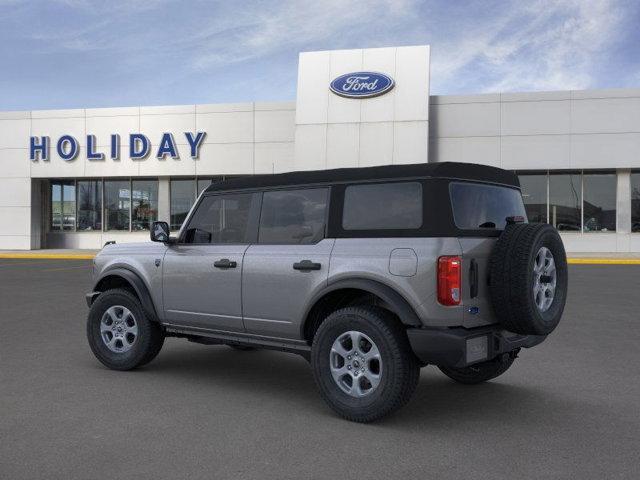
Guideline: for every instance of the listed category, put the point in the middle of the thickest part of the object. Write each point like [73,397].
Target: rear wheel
[120,333]
[363,364]
[480,372]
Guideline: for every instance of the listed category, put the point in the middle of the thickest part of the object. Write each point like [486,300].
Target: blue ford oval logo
[361,84]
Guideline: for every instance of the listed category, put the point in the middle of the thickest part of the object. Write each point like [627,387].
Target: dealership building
[79,178]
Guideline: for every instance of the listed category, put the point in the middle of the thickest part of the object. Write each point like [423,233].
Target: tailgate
[476,253]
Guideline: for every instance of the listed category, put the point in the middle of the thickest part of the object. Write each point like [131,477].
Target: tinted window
[221,219]
[565,201]
[599,202]
[293,216]
[383,206]
[477,206]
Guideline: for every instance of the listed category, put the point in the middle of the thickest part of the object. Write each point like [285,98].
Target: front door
[288,264]
[202,274]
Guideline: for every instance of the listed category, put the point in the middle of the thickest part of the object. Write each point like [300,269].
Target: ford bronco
[369,273]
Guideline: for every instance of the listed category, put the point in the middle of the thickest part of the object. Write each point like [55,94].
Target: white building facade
[79,178]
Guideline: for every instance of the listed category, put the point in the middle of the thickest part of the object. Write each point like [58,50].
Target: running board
[207,337]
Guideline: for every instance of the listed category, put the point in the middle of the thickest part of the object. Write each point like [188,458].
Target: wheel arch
[124,278]
[344,292]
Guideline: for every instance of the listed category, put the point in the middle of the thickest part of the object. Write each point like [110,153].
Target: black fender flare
[136,283]
[396,302]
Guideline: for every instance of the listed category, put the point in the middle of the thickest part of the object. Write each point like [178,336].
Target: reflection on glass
[144,209]
[202,184]
[600,202]
[565,196]
[63,205]
[117,202]
[293,216]
[534,195]
[221,219]
[183,194]
[89,205]
[635,202]
[56,206]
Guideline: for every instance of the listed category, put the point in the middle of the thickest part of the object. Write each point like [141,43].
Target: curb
[48,256]
[603,261]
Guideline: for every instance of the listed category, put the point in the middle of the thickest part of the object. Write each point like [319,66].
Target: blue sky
[81,53]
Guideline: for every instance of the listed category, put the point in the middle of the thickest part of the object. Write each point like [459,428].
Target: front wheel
[363,364]
[120,333]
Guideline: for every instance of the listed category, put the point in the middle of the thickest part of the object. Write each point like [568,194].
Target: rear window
[477,206]
[383,206]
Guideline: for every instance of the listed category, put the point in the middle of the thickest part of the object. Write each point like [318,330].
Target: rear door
[289,263]
[481,212]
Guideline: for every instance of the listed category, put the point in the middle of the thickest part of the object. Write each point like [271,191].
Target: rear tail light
[449,280]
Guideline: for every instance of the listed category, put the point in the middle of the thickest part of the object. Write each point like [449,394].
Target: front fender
[136,282]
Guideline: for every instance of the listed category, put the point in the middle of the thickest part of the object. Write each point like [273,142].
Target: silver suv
[369,273]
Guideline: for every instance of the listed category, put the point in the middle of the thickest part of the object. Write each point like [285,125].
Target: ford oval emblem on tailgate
[361,84]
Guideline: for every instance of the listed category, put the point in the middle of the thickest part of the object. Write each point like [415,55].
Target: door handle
[225,263]
[306,265]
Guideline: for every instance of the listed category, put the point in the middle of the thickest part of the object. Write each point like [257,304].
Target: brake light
[449,280]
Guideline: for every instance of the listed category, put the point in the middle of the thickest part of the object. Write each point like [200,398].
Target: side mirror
[159,232]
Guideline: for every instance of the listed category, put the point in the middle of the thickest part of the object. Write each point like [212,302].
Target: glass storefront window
[534,195]
[635,202]
[56,206]
[63,205]
[89,205]
[565,201]
[144,209]
[599,202]
[202,184]
[117,203]
[182,197]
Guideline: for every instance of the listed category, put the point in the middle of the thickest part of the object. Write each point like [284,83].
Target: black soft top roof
[462,171]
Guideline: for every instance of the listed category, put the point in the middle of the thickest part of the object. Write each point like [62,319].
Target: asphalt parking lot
[569,408]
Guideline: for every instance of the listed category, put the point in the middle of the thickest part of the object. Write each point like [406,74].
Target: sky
[83,53]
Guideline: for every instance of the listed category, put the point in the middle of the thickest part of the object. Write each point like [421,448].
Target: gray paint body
[264,298]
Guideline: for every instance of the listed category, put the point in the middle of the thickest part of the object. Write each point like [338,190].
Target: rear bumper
[459,347]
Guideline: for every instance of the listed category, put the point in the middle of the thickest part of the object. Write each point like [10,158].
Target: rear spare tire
[528,278]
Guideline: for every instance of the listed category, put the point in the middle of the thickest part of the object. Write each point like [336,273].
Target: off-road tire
[480,372]
[150,334]
[400,370]
[511,278]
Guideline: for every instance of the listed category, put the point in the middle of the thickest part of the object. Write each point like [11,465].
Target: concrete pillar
[623,202]
[163,199]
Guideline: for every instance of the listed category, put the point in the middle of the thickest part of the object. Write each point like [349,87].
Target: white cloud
[540,45]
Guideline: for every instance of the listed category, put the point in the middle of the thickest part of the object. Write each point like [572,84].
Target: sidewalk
[576,258]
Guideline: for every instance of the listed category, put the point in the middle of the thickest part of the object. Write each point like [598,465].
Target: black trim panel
[138,285]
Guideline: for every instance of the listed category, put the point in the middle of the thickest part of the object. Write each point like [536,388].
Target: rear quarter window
[478,207]
[382,206]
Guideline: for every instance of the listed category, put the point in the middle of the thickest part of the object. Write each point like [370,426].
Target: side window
[221,219]
[383,206]
[293,216]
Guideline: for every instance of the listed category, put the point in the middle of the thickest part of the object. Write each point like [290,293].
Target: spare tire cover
[528,278]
